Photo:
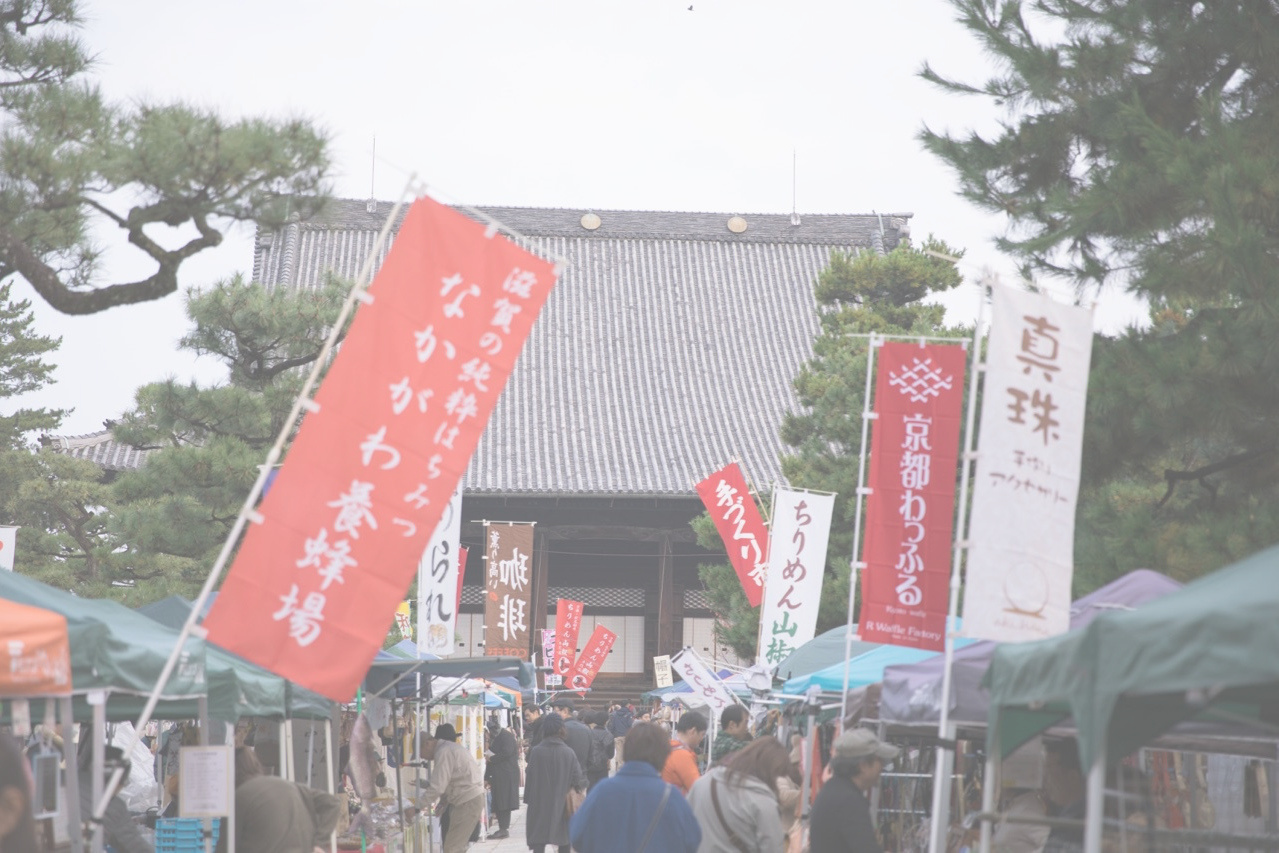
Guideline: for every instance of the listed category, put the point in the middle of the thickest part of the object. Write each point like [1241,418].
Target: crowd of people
[674,791]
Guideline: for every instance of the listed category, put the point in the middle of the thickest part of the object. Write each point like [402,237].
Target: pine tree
[1138,151]
[857,294]
[177,510]
[70,162]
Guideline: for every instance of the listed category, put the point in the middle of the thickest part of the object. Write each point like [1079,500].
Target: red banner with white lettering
[592,658]
[568,624]
[337,540]
[919,393]
[738,521]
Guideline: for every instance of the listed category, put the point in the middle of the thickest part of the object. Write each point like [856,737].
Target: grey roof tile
[667,348]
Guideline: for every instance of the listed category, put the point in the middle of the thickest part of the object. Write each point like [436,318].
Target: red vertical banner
[462,553]
[919,392]
[592,658]
[508,588]
[738,521]
[568,624]
[337,540]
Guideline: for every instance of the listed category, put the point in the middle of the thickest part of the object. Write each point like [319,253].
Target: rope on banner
[189,628]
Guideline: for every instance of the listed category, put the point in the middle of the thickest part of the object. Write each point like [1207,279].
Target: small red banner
[568,624]
[738,521]
[381,450]
[919,392]
[592,658]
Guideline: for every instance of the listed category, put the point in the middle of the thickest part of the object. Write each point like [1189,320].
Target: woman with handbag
[736,804]
[635,811]
[554,786]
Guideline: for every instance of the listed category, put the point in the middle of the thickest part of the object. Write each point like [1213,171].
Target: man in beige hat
[841,821]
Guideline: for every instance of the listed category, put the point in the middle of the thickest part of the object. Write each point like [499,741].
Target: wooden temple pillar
[541,585]
[666,640]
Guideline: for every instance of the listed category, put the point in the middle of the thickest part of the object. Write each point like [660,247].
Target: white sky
[591,104]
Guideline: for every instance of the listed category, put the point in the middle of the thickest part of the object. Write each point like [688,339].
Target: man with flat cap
[456,781]
[841,821]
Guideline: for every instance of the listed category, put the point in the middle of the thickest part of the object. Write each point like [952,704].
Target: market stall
[1204,653]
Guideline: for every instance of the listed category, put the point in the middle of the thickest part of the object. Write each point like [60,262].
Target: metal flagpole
[247,511]
[855,565]
[945,754]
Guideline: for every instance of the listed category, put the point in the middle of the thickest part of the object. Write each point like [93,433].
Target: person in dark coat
[601,747]
[841,821]
[576,734]
[552,769]
[533,718]
[502,774]
[635,811]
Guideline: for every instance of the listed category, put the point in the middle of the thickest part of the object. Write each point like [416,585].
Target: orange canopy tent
[35,653]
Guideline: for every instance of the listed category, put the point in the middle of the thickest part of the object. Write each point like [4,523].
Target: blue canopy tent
[864,669]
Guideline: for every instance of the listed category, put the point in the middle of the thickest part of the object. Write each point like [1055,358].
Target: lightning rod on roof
[794,211]
[371,204]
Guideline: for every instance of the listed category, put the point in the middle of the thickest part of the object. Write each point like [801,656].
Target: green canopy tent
[826,649]
[120,654]
[1205,654]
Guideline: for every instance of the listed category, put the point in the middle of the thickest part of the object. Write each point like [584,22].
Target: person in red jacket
[681,765]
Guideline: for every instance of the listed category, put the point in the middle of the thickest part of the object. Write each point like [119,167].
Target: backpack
[597,756]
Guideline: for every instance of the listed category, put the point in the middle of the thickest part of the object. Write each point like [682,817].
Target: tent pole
[990,784]
[855,565]
[1095,801]
[74,818]
[99,734]
[944,764]
[399,763]
[328,775]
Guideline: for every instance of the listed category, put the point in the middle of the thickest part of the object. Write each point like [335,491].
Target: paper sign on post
[662,671]
[206,779]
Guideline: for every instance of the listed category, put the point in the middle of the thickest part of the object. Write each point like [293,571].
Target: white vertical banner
[1021,537]
[796,565]
[8,547]
[437,583]
[706,687]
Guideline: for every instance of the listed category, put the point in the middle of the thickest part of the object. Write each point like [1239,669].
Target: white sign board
[206,780]
[1022,533]
[8,547]
[662,671]
[437,583]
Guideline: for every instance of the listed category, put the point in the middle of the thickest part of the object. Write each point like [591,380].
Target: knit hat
[444,731]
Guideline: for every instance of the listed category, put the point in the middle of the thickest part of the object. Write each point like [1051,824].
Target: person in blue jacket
[634,811]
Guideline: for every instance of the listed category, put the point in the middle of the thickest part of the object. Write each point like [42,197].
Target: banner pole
[247,512]
[854,564]
[945,754]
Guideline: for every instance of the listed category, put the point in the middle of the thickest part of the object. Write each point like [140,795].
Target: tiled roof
[667,349]
[100,447]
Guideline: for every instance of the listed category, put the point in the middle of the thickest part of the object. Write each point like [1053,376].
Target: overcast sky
[598,104]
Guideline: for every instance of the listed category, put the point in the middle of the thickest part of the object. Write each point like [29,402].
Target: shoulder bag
[652,825]
[733,838]
[573,801]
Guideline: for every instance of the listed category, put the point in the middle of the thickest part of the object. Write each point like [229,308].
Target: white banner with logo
[1021,536]
[8,547]
[796,566]
[707,689]
[437,583]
